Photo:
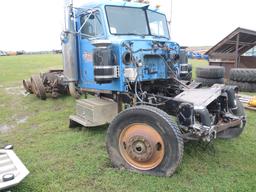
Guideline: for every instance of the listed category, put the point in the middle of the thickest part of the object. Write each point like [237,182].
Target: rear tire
[209,82]
[210,72]
[145,140]
[38,87]
[27,86]
[244,86]
[234,131]
[244,75]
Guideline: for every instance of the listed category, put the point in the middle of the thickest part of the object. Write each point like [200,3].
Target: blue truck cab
[122,42]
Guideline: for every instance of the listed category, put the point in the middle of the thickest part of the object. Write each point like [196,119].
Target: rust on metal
[37,87]
[141,146]
[50,83]
[223,126]
[27,86]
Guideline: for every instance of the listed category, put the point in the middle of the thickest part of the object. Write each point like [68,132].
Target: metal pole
[170,21]
[237,46]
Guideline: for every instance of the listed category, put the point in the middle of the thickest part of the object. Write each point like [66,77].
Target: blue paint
[153,67]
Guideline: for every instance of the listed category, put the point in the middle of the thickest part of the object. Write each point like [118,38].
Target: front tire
[145,140]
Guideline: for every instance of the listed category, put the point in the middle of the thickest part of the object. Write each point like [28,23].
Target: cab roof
[103,3]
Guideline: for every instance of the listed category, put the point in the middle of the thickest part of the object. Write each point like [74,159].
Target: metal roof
[246,40]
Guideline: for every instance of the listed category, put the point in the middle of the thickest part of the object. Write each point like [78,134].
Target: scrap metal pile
[46,84]
[249,102]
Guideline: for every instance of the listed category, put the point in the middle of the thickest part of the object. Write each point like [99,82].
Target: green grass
[61,159]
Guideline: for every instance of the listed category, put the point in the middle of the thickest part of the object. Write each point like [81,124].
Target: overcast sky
[33,25]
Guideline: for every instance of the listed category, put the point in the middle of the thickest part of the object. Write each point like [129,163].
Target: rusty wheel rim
[34,88]
[37,87]
[141,146]
[27,86]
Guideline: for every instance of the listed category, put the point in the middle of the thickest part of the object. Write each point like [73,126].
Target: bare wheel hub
[141,146]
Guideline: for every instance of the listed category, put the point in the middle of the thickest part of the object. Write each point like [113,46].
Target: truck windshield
[127,20]
[157,24]
[133,21]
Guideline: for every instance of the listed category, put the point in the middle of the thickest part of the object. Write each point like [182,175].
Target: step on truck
[122,54]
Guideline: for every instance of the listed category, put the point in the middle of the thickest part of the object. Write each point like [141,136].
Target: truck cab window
[92,27]
[158,24]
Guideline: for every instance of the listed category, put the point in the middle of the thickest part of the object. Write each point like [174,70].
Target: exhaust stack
[69,49]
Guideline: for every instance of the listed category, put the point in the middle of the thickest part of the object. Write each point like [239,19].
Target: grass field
[60,159]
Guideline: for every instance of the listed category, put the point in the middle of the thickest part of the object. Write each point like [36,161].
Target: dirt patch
[19,119]
[16,91]
[5,128]
[33,126]
[58,108]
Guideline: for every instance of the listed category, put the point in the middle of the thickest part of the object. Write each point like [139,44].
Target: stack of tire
[243,78]
[210,75]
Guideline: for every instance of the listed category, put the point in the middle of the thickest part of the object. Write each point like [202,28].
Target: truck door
[91,28]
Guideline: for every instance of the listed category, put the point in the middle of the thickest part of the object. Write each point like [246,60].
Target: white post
[170,18]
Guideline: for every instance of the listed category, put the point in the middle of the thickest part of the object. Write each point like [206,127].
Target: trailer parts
[249,102]
[252,102]
[51,83]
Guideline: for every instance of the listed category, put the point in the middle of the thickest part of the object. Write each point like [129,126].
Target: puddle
[5,128]
[20,118]
[16,91]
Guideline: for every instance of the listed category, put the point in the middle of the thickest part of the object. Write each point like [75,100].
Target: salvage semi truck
[122,54]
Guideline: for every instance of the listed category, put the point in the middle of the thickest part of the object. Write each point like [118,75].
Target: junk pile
[48,84]
[249,102]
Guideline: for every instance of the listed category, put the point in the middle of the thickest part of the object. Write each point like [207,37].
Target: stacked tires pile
[244,79]
[210,75]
